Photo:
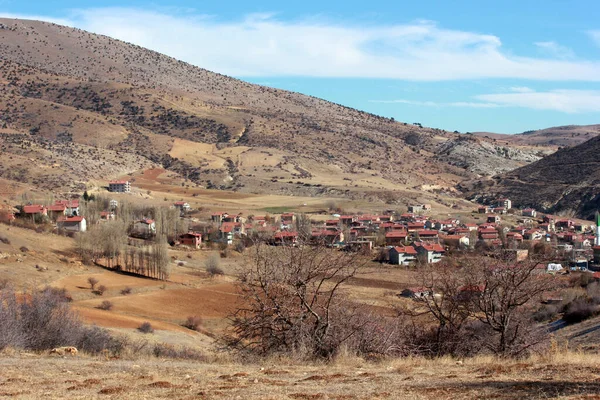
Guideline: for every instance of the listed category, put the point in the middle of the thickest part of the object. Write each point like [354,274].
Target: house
[359,245]
[218,217]
[488,234]
[72,206]
[113,204]
[35,209]
[332,223]
[144,228]
[119,186]
[514,237]
[529,212]
[565,224]
[71,224]
[533,234]
[107,215]
[288,219]
[286,238]
[347,219]
[395,238]
[416,292]
[427,236]
[493,219]
[483,209]
[504,203]
[419,208]
[182,206]
[456,241]
[192,239]
[328,237]
[402,255]
[56,210]
[386,218]
[429,252]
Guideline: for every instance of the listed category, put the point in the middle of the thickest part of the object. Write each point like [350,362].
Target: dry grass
[566,375]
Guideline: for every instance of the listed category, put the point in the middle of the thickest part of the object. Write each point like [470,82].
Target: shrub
[146,327]
[23,249]
[106,305]
[126,291]
[579,310]
[213,265]
[546,313]
[163,350]
[43,320]
[240,247]
[93,282]
[4,240]
[100,290]
[193,322]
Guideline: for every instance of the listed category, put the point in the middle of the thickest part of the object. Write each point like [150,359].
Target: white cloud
[595,35]
[521,89]
[555,50]
[567,101]
[262,45]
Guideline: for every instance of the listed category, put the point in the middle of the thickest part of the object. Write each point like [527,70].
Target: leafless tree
[292,300]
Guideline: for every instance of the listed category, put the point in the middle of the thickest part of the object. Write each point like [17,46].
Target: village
[398,238]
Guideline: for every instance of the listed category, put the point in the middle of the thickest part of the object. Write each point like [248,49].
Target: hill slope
[567,182]
[85,96]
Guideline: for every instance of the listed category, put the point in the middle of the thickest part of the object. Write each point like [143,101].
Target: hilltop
[558,136]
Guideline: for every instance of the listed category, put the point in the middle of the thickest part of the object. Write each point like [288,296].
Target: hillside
[566,182]
[558,136]
[90,108]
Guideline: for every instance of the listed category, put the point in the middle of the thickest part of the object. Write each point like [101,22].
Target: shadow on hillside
[526,389]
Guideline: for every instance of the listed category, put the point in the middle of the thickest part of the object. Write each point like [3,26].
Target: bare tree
[507,289]
[291,300]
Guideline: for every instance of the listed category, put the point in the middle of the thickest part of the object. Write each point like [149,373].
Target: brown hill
[559,136]
[87,107]
[566,182]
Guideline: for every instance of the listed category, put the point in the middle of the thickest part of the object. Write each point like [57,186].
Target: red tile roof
[34,209]
[405,250]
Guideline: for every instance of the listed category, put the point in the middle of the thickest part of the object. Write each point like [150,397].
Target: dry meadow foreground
[566,376]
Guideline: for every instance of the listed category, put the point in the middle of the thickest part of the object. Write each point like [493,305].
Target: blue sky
[506,66]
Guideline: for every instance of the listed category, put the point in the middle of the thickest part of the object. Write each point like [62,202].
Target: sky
[467,65]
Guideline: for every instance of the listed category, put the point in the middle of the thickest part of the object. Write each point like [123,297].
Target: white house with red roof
[402,255]
[429,252]
[182,206]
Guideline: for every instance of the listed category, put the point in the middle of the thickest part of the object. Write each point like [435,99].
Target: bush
[194,323]
[546,313]
[126,291]
[213,265]
[93,282]
[4,240]
[100,290]
[240,247]
[163,350]
[106,305]
[146,327]
[579,310]
[23,249]
[43,320]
